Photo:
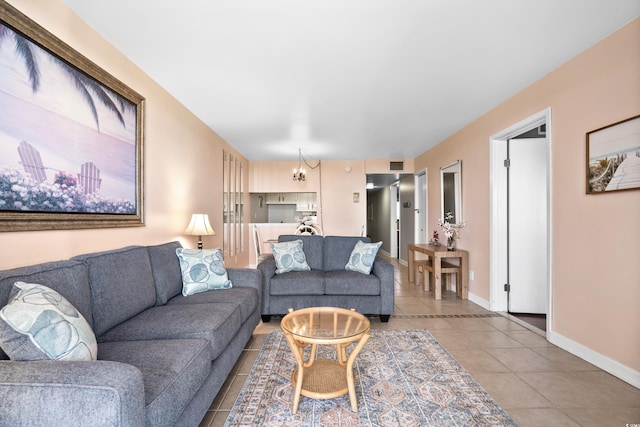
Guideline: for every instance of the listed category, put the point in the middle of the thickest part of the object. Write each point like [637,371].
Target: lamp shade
[200,226]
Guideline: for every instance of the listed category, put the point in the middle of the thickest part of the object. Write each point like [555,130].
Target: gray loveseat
[162,357]
[327,283]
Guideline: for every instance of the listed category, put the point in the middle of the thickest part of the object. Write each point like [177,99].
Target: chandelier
[299,173]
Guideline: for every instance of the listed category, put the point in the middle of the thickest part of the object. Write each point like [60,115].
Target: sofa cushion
[173,371]
[298,283]
[165,267]
[121,284]
[61,394]
[289,256]
[202,270]
[337,250]
[40,324]
[312,247]
[362,257]
[344,282]
[246,299]
[69,278]
[217,323]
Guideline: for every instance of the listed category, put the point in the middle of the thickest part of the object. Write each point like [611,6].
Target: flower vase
[451,246]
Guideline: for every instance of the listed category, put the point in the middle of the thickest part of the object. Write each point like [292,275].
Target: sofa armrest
[53,393]
[247,278]
[384,271]
[268,269]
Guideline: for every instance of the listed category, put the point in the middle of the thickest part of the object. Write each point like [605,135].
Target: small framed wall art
[613,157]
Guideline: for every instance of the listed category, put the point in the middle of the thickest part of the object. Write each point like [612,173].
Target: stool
[421,266]
[447,269]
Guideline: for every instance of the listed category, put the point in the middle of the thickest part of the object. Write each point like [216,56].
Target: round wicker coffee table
[324,378]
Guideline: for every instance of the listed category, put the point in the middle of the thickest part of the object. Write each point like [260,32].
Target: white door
[527,222]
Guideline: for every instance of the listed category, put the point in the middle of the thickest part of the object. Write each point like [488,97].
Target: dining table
[437,253]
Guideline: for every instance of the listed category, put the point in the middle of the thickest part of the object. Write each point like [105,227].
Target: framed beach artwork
[613,157]
[71,143]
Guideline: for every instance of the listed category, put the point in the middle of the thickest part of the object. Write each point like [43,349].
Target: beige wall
[181,160]
[338,214]
[277,176]
[595,238]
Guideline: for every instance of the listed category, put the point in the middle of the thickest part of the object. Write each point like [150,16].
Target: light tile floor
[537,383]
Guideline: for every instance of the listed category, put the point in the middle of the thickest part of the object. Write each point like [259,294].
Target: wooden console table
[437,253]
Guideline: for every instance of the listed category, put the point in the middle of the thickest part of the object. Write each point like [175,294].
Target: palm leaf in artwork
[24,49]
[89,88]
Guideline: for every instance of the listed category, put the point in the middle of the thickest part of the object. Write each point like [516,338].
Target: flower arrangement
[18,192]
[64,179]
[451,231]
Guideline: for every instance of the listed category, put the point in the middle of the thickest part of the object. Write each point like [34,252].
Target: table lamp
[200,226]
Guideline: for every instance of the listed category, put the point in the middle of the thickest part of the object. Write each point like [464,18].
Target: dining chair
[258,245]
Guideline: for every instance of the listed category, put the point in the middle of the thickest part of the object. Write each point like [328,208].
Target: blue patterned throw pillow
[202,270]
[362,257]
[289,256]
[40,324]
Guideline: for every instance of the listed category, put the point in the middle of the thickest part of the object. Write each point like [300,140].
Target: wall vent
[396,166]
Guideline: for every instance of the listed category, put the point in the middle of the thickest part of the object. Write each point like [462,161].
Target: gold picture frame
[72,150]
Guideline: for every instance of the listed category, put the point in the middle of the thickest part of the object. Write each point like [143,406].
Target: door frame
[394,190]
[497,195]
[421,206]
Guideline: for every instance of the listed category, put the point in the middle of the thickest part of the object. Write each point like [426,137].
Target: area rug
[403,378]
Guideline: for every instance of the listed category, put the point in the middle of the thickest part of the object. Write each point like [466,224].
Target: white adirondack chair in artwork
[89,178]
[32,162]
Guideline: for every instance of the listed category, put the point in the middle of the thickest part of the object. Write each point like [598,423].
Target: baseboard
[480,301]
[603,362]
[388,255]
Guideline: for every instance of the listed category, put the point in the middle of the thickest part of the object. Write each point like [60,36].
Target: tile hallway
[537,383]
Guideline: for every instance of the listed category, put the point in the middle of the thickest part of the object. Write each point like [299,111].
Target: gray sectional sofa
[162,357]
[327,283]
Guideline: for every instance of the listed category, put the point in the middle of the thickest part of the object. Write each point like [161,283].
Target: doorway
[520,225]
[385,219]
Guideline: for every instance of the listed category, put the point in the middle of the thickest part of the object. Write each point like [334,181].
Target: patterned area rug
[403,378]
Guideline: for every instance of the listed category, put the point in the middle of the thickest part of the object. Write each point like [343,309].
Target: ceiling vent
[396,166]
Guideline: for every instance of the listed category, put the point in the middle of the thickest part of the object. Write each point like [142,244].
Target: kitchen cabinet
[306,202]
[281,198]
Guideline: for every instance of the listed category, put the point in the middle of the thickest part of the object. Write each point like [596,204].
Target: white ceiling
[348,79]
